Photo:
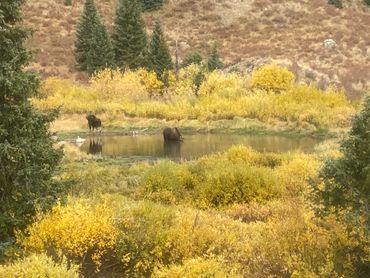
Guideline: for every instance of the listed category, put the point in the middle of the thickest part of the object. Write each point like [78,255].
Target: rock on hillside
[292,31]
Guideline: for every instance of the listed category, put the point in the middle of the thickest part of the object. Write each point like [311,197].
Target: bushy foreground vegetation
[270,95]
[39,265]
[236,214]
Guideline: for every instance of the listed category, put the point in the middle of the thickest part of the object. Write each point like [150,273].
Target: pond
[193,146]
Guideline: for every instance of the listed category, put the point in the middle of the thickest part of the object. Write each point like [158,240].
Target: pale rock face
[184,45]
[329,43]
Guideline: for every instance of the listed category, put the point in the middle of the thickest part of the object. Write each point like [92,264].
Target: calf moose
[94,122]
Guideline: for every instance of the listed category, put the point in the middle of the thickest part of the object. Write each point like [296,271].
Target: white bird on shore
[54,136]
[80,140]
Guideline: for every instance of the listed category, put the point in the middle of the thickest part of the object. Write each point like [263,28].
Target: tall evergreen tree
[344,188]
[159,54]
[27,157]
[214,62]
[93,49]
[346,180]
[129,36]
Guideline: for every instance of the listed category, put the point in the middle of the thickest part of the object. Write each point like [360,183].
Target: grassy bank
[71,125]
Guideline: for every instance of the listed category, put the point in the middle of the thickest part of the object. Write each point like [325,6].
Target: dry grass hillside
[248,32]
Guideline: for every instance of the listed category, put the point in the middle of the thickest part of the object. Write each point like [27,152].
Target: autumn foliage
[269,95]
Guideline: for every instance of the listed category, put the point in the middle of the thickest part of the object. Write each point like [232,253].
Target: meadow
[238,213]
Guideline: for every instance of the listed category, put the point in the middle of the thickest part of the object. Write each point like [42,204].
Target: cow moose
[171,134]
[93,122]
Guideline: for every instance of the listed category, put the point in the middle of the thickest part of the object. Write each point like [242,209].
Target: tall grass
[221,96]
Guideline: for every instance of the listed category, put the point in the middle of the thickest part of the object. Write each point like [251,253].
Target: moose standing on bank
[94,122]
[171,134]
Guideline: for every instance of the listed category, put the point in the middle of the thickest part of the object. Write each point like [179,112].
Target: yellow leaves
[238,154]
[77,229]
[296,172]
[272,78]
[198,267]
[226,85]
[150,81]
[221,96]
[118,85]
[39,265]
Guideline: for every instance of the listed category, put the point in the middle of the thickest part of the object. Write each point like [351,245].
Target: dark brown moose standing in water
[171,134]
[94,122]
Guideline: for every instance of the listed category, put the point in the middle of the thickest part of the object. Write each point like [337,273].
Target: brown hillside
[290,31]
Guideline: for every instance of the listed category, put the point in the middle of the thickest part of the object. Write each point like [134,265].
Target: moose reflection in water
[194,145]
[95,145]
[172,149]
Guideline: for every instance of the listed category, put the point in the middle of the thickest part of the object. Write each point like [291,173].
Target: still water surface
[193,146]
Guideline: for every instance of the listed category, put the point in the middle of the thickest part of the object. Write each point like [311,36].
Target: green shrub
[337,3]
[213,181]
[37,266]
[192,58]
[168,182]
[144,242]
[68,2]
[367,2]
[226,183]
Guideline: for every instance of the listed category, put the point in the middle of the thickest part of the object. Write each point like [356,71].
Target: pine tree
[129,35]
[344,188]
[93,49]
[149,5]
[214,61]
[346,179]
[159,55]
[27,157]
[367,2]
[192,58]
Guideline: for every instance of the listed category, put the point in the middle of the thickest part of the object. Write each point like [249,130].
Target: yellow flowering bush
[184,86]
[80,230]
[37,266]
[225,85]
[198,267]
[118,85]
[272,78]
[304,103]
[295,172]
[152,84]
